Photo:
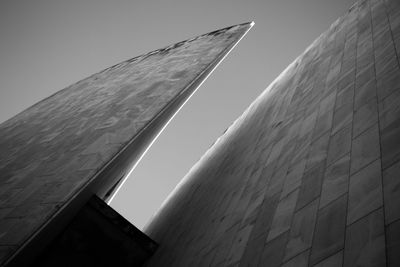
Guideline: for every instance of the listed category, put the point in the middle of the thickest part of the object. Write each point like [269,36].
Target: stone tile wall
[52,151]
[309,175]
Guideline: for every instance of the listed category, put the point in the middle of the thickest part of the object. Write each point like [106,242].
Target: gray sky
[46,45]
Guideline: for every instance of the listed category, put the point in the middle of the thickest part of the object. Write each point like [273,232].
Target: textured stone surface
[318,151]
[311,185]
[389,109]
[325,136]
[342,117]
[365,149]
[364,94]
[336,181]
[55,148]
[333,261]
[365,242]
[274,251]
[329,230]
[301,231]
[300,260]
[391,193]
[393,244]
[365,117]
[321,144]
[5,252]
[340,145]
[390,143]
[283,215]
[293,178]
[365,192]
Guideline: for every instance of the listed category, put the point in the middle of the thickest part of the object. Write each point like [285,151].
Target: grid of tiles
[309,175]
[52,150]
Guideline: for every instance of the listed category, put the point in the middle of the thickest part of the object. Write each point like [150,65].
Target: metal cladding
[309,174]
[86,137]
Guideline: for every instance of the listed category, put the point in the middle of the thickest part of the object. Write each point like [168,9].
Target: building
[309,174]
[63,157]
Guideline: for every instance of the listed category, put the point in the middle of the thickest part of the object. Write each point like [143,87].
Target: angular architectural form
[309,175]
[84,139]
[97,236]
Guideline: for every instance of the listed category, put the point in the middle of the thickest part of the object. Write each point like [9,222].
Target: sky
[46,45]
